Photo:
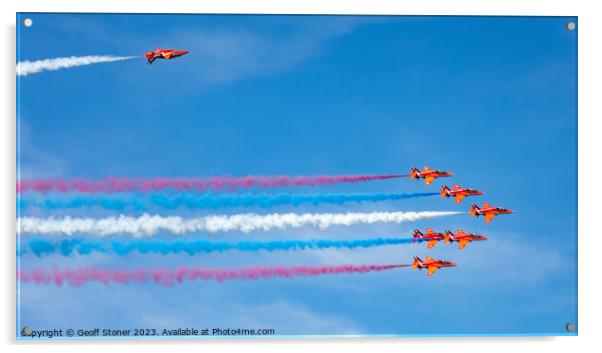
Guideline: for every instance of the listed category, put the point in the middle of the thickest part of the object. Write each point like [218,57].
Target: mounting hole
[570,327]
[571,26]
[27,22]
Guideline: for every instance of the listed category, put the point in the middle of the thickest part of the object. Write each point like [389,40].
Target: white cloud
[34,160]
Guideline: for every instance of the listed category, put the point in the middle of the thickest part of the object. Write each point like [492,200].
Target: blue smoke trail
[67,247]
[211,201]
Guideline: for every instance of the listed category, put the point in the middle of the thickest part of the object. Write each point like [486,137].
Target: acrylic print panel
[202,176]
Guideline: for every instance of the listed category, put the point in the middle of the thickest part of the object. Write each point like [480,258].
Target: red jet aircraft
[462,238]
[166,54]
[430,264]
[428,174]
[430,237]
[459,192]
[488,211]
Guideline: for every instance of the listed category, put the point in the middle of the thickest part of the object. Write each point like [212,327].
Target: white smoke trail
[147,225]
[25,68]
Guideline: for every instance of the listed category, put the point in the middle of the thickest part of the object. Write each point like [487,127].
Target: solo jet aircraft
[428,174]
[462,238]
[458,192]
[430,237]
[166,54]
[430,264]
[488,211]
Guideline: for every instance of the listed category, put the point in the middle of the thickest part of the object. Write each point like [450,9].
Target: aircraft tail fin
[444,190]
[413,173]
[416,262]
[448,236]
[417,234]
[473,210]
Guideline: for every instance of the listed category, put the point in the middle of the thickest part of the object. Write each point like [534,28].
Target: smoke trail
[213,201]
[169,277]
[147,225]
[113,184]
[67,247]
[25,68]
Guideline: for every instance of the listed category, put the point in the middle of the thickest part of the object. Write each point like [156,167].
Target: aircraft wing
[428,180]
[431,243]
[459,198]
[462,243]
[489,217]
[431,270]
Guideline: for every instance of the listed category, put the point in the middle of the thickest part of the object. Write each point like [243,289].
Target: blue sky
[491,99]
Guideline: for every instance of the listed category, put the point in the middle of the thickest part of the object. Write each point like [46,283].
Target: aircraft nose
[453,264]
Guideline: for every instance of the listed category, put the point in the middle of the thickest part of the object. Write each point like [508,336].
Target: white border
[590,192]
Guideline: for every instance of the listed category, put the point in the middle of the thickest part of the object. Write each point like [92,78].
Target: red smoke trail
[169,277]
[113,184]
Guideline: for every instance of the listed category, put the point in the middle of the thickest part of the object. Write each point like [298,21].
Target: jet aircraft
[430,237]
[458,192]
[461,237]
[428,174]
[488,211]
[430,264]
[166,54]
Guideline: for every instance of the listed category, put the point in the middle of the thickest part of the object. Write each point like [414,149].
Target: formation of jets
[429,175]
[462,238]
[166,54]
[458,192]
[431,237]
